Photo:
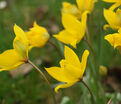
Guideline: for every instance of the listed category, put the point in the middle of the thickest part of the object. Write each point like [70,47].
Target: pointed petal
[112,1]
[83,24]
[20,35]
[84,62]
[9,59]
[20,42]
[56,73]
[71,23]
[71,57]
[63,86]
[67,38]
[114,6]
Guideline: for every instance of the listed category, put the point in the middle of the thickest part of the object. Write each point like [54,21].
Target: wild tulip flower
[74,29]
[37,36]
[115,40]
[113,18]
[71,70]
[13,58]
[77,11]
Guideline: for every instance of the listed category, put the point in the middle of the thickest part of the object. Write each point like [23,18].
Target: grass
[31,89]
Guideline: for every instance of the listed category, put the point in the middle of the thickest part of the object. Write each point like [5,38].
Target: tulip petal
[68,38]
[20,42]
[83,24]
[114,39]
[57,73]
[10,60]
[63,86]
[71,72]
[71,57]
[20,35]
[71,23]
[113,21]
[84,62]
[112,1]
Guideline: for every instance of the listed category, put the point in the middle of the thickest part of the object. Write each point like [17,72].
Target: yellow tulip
[113,18]
[83,5]
[74,29]
[71,70]
[115,40]
[37,36]
[13,58]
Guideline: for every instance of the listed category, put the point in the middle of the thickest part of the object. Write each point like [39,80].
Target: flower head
[113,18]
[37,36]
[74,29]
[115,40]
[71,70]
[11,59]
[77,11]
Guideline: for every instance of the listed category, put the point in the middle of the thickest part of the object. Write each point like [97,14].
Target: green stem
[89,91]
[54,99]
[53,44]
[91,49]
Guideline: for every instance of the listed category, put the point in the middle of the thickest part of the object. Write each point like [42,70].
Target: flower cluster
[71,70]
[74,20]
[13,58]
[113,17]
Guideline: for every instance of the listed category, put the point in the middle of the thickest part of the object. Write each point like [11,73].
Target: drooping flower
[77,11]
[13,58]
[71,70]
[74,29]
[113,18]
[37,36]
[115,40]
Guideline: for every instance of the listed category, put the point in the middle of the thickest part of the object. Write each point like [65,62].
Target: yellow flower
[113,18]
[13,58]
[71,70]
[74,29]
[83,5]
[115,40]
[37,36]
[103,70]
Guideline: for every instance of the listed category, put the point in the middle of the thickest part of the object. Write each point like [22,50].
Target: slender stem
[54,99]
[89,91]
[91,49]
[53,44]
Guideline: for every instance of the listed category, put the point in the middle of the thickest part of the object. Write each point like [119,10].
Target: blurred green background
[31,88]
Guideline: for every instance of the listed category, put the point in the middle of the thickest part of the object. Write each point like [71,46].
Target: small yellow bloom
[103,70]
[13,58]
[37,36]
[71,70]
[74,29]
[113,18]
[115,40]
[83,5]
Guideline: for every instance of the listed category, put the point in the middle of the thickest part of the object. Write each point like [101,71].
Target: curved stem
[54,99]
[53,44]
[89,91]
